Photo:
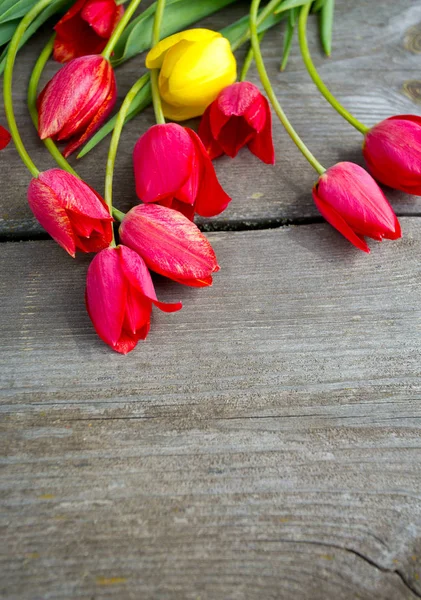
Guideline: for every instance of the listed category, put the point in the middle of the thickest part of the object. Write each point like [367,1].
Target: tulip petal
[211,199]
[181,113]
[102,113]
[106,294]
[414,118]
[335,219]
[205,133]
[237,100]
[168,242]
[5,137]
[74,194]
[60,107]
[94,105]
[392,150]
[358,199]
[257,113]
[197,73]
[217,118]
[128,342]
[156,55]
[162,160]
[100,15]
[262,144]
[186,209]
[75,37]
[49,212]
[137,273]
[73,10]
[138,311]
[199,283]
[235,134]
[188,192]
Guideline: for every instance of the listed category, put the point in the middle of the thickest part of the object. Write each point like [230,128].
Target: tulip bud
[239,116]
[392,150]
[196,65]
[76,101]
[86,28]
[172,167]
[170,244]
[119,298]
[352,202]
[5,137]
[73,214]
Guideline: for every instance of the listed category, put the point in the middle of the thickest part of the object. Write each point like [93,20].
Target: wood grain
[374,58]
[262,443]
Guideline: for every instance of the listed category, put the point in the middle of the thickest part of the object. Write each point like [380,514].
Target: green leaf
[236,30]
[15,10]
[57,6]
[179,14]
[326,24]
[289,34]
[287,4]
[318,5]
[141,101]
[7,30]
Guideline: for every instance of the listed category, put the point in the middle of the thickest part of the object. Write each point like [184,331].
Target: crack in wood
[33,234]
[402,576]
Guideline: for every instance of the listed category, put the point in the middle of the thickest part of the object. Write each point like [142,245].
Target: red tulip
[392,150]
[239,116]
[119,298]
[76,101]
[5,137]
[352,202]
[170,244]
[172,168]
[73,214]
[86,28]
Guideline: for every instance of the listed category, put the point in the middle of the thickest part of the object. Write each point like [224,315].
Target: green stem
[128,13]
[112,152]
[8,80]
[264,14]
[249,59]
[156,34]
[118,215]
[32,105]
[271,94]
[312,71]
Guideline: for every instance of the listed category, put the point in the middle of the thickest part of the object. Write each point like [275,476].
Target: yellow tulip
[196,65]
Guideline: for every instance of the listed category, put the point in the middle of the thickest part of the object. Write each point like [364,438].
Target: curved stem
[32,105]
[271,94]
[249,59]
[156,99]
[112,152]
[8,80]
[122,24]
[264,14]
[312,71]
[118,215]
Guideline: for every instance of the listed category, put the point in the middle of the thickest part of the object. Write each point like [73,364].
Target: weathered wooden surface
[376,53]
[262,443]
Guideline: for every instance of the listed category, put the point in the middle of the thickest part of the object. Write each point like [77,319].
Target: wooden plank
[262,443]
[375,53]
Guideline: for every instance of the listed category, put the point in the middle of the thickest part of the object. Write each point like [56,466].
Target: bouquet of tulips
[190,73]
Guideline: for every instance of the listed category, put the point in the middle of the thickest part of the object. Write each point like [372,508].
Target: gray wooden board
[262,443]
[376,52]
